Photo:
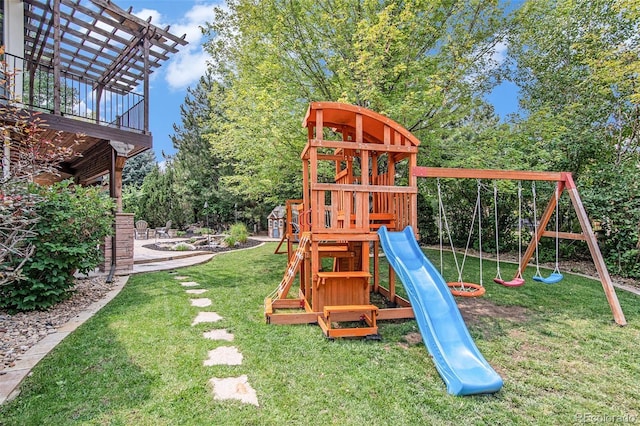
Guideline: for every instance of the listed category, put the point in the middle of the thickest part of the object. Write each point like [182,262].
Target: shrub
[183,247]
[237,233]
[612,196]
[74,221]
[17,219]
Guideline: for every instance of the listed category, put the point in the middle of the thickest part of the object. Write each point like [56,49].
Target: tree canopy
[429,65]
[418,62]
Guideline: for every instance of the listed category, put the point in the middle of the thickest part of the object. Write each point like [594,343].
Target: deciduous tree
[420,62]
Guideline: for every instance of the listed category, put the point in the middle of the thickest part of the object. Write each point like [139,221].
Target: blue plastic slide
[457,359]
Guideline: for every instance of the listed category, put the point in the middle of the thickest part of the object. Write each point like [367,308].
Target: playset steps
[337,313]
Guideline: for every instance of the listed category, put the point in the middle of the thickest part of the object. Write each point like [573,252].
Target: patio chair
[141,230]
[163,232]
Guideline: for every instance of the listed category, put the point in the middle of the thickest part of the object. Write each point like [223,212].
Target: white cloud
[186,68]
[499,53]
[190,63]
[156,17]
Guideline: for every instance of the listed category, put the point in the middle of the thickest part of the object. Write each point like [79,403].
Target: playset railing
[338,208]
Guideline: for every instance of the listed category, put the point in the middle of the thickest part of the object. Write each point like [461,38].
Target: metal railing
[32,85]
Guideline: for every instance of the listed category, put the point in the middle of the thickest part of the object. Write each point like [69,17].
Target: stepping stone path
[201,303]
[234,388]
[218,335]
[223,388]
[224,355]
[196,291]
[206,317]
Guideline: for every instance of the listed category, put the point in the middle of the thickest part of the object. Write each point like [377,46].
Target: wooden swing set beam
[444,172]
[564,182]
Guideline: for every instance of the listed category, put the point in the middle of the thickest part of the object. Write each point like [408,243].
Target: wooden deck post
[56,57]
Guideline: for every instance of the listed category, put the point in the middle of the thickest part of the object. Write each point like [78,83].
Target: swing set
[563,182]
[466,289]
[517,281]
[459,287]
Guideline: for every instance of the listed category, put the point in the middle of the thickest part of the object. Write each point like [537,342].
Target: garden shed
[277,219]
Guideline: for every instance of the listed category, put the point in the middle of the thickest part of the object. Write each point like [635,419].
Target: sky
[169,83]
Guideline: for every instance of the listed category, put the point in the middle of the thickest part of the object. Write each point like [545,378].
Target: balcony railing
[33,85]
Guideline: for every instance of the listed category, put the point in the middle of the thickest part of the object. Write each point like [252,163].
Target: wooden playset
[360,173]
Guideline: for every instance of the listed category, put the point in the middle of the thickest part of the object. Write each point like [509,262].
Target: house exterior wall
[14,27]
[13,36]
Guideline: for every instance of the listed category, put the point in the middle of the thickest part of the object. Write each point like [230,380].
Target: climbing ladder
[293,266]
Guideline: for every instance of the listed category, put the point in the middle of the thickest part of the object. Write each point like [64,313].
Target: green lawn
[139,361]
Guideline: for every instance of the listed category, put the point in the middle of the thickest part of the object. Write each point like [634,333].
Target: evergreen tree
[136,168]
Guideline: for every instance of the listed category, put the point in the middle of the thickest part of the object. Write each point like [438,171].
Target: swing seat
[555,277]
[516,282]
[466,289]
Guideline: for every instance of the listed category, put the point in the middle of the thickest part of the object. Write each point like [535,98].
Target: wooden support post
[316,215]
[598,260]
[376,266]
[306,198]
[306,274]
[99,90]
[56,58]
[146,48]
[315,268]
[365,264]
[413,182]
[392,285]
[117,181]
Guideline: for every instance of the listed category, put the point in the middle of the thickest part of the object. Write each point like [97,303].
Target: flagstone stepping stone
[197,291]
[234,388]
[189,284]
[218,335]
[201,303]
[181,277]
[224,355]
[206,317]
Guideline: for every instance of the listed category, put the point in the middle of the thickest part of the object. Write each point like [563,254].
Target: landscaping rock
[197,291]
[218,335]
[234,388]
[20,331]
[201,303]
[224,355]
[206,317]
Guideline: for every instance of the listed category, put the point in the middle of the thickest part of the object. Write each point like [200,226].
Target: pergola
[84,66]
